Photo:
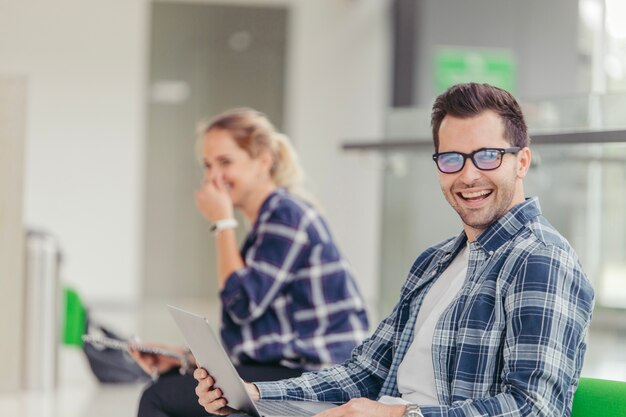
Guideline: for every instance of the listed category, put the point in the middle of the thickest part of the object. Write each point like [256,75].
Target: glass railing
[576,114]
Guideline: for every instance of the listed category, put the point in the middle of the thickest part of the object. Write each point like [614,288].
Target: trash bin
[42,311]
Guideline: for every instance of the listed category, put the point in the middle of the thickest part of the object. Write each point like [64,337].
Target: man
[490,323]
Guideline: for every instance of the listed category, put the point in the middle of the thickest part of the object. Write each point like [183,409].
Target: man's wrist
[253,391]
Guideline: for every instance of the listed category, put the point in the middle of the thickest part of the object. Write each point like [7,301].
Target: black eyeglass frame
[466,156]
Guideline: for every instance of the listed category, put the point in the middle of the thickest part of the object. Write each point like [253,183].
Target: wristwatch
[412,410]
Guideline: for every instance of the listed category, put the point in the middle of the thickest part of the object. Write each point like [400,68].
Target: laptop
[211,356]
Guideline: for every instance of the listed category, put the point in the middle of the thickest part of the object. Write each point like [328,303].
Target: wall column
[12,120]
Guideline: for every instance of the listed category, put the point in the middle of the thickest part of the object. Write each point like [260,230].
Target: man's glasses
[485,159]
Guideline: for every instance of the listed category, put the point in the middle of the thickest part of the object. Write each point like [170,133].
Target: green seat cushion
[599,398]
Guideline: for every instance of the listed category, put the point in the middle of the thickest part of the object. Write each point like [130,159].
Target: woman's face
[231,165]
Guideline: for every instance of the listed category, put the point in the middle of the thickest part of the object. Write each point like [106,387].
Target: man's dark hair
[471,99]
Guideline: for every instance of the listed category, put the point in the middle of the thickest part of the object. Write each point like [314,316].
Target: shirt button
[432,274]
[490,252]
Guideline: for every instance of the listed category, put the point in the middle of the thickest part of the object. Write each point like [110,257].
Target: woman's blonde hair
[254,133]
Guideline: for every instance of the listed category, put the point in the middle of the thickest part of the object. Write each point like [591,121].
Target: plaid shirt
[295,303]
[510,344]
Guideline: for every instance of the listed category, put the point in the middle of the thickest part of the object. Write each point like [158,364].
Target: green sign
[461,65]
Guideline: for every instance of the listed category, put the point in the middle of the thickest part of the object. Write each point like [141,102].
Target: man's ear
[524,158]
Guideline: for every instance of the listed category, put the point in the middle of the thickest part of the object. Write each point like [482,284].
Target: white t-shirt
[416,375]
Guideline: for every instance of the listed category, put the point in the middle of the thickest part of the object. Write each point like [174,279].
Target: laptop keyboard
[281,408]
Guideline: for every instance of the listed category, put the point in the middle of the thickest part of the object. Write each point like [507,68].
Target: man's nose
[469,174]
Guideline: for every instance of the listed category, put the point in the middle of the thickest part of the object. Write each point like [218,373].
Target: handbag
[111,365]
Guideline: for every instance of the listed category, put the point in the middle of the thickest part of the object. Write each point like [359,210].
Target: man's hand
[212,399]
[362,407]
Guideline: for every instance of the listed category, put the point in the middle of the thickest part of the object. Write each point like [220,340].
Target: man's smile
[474,197]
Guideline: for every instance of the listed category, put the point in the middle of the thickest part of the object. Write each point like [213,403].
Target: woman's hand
[213,200]
[153,364]
[212,398]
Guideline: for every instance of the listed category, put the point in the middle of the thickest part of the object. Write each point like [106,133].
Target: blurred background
[99,103]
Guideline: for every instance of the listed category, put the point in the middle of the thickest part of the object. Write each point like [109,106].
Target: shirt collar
[499,232]
[508,225]
[268,204]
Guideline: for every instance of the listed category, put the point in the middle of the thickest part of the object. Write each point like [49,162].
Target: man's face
[481,197]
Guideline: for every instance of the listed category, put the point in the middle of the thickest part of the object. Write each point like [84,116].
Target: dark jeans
[173,394]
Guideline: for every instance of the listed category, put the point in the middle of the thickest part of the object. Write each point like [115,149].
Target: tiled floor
[80,395]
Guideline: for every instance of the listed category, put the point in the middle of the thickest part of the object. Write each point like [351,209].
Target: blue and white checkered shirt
[295,303]
[510,344]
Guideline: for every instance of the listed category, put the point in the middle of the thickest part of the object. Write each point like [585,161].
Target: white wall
[85,62]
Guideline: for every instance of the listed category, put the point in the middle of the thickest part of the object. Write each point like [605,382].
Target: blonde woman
[289,300]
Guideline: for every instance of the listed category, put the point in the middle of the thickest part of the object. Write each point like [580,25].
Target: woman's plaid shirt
[511,343]
[295,303]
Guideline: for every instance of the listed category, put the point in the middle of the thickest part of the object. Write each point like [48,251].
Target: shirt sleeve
[360,376]
[270,264]
[548,307]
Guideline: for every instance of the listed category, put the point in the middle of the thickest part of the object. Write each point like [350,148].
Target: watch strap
[223,224]
[412,410]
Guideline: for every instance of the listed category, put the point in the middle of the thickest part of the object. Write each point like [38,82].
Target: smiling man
[491,322]
[483,191]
